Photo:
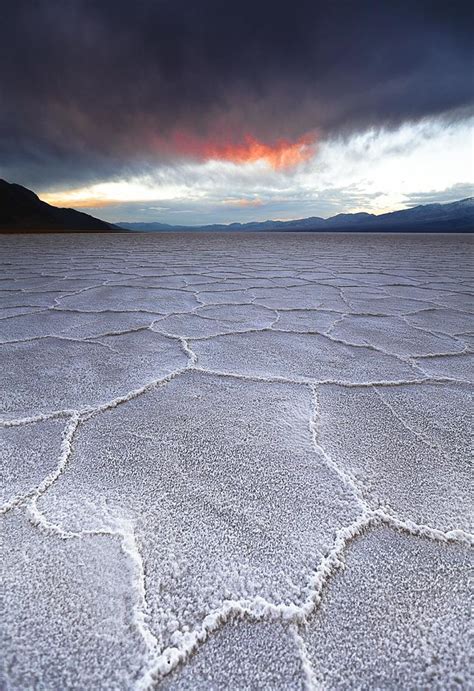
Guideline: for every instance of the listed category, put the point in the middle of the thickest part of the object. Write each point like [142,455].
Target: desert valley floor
[235,461]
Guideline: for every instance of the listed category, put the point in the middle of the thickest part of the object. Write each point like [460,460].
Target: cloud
[242,203]
[460,190]
[112,90]
[375,171]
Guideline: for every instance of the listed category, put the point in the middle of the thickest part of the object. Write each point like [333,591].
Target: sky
[216,112]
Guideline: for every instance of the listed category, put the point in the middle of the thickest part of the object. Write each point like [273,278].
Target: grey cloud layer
[91,89]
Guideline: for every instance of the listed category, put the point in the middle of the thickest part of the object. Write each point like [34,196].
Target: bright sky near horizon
[373,171]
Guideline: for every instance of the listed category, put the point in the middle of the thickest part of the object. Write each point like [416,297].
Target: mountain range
[21,210]
[453,217]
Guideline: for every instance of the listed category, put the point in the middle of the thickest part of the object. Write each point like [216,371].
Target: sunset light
[282,154]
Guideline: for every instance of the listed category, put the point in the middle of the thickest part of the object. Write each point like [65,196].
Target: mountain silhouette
[21,210]
[454,217]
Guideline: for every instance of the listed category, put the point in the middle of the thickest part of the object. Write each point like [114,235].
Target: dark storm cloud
[99,88]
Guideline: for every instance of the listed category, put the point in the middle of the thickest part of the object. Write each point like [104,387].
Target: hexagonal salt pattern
[197,432]
[209,470]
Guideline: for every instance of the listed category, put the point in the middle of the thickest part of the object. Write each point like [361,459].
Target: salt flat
[236,461]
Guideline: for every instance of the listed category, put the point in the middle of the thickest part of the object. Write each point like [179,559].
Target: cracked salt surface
[67,614]
[122,298]
[395,336]
[397,616]
[243,655]
[208,470]
[28,454]
[305,357]
[454,366]
[56,373]
[443,321]
[409,450]
[198,432]
[72,324]
[214,320]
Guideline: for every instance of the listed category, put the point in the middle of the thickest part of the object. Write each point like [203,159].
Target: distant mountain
[455,217]
[22,211]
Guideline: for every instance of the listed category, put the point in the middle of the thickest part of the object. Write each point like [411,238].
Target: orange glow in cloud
[283,154]
[75,199]
[242,202]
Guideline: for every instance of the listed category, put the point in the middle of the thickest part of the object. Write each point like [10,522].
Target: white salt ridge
[22,473]
[259,609]
[311,679]
[47,481]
